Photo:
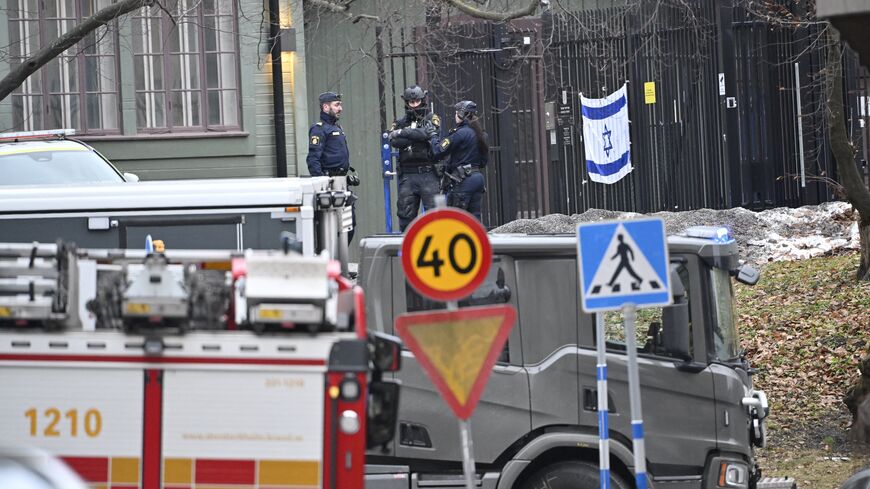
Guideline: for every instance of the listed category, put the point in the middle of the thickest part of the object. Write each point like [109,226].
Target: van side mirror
[675,320]
[385,352]
[675,329]
[382,412]
[131,177]
[747,274]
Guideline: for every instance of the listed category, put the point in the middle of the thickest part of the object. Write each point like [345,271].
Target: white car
[48,157]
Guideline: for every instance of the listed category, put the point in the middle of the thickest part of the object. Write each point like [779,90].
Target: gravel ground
[771,235]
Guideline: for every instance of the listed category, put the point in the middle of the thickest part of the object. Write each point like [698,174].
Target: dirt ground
[818,455]
[806,326]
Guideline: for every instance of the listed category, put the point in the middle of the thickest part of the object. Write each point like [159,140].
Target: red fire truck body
[270,394]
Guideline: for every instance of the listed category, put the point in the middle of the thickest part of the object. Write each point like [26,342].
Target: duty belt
[417,169]
[337,172]
[468,169]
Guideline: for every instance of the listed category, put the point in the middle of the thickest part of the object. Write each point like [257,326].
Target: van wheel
[573,474]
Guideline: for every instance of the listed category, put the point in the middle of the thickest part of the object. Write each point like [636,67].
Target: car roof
[32,146]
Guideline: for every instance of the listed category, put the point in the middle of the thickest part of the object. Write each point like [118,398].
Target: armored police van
[536,424]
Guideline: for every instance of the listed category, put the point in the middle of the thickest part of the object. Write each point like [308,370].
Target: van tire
[570,474]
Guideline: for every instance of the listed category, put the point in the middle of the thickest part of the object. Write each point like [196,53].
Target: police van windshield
[725,340]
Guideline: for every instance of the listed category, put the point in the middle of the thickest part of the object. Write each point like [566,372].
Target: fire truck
[192,369]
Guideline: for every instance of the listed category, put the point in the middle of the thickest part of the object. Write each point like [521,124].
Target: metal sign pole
[629,315]
[465,434]
[467,452]
[603,429]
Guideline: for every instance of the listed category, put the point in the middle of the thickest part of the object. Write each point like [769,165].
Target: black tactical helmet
[327,97]
[414,92]
[466,109]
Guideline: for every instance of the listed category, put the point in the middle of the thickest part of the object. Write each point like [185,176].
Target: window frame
[695,320]
[80,57]
[166,26]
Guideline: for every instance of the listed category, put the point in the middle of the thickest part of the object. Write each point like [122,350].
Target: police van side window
[648,324]
[494,290]
[547,296]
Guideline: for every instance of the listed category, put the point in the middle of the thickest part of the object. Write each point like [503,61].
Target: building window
[79,88]
[186,66]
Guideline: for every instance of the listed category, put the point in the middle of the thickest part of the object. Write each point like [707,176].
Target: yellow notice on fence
[649,92]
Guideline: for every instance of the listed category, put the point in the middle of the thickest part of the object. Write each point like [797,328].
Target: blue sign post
[388,173]
[623,265]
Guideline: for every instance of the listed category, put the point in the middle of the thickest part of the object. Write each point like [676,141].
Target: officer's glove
[395,134]
[430,129]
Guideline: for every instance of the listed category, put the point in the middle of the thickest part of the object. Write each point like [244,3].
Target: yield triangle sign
[457,349]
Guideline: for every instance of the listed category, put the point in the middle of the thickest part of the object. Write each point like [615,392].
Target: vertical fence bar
[800,124]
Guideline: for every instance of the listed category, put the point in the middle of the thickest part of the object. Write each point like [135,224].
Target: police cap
[327,97]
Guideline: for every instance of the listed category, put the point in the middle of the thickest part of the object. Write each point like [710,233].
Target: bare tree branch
[343,9]
[494,16]
[20,73]
[331,6]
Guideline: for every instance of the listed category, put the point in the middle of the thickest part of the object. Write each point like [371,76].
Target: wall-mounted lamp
[288,40]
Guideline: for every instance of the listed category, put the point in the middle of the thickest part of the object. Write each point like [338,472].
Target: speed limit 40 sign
[446,254]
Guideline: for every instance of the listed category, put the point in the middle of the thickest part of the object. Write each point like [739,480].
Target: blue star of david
[608,145]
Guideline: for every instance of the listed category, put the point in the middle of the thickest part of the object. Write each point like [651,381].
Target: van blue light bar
[719,234]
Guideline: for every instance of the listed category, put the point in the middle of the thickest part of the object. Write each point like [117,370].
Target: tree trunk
[864,235]
[844,153]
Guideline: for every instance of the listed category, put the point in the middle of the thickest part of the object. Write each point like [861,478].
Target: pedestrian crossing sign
[622,263]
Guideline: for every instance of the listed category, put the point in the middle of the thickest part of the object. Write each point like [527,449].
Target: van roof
[563,243]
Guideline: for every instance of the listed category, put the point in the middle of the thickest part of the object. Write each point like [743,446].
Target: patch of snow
[775,234]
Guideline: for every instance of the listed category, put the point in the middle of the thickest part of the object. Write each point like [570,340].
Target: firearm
[448,179]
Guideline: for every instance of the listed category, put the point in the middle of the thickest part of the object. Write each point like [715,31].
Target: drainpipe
[277,90]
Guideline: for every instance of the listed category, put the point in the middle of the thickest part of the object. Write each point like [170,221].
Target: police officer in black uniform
[469,153]
[327,145]
[418,180]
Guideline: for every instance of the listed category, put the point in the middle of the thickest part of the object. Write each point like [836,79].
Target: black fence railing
[699,140]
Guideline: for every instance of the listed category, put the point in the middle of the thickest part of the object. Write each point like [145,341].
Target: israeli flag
[606,136]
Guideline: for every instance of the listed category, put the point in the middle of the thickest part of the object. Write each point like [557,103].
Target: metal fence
[471,61]
[759,143]
[669,66]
